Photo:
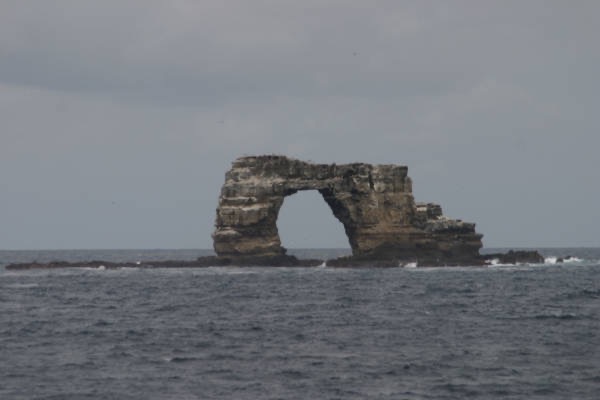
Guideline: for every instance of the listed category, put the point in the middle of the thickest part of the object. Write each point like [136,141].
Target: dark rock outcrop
[516,257]
[374,203]
[201,262]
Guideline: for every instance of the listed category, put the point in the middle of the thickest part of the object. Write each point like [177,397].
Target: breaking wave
[551,260]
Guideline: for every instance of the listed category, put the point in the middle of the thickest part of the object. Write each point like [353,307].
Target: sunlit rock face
[374,203]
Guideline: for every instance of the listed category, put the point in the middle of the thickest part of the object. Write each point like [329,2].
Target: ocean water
[502,332]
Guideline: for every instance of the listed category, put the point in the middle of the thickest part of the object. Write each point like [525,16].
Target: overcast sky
[119,118]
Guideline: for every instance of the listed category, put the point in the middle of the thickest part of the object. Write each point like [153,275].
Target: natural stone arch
[373,202]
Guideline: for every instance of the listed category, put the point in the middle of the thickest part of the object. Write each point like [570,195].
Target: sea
[498,332]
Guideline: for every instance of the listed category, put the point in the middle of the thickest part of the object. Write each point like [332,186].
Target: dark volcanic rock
[516,257]
[283,260]
[201,262]
[374,203]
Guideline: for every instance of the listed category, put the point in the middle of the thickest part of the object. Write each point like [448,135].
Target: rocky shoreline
[511,257]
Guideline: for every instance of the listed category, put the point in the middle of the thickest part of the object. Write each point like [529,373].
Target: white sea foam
[551,260]
[495,262]
[21,286]
[228,270]
[572,260]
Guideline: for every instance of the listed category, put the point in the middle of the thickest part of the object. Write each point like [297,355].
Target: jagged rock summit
[375,204]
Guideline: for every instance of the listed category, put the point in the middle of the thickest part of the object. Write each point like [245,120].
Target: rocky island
[374,203]
[384,225]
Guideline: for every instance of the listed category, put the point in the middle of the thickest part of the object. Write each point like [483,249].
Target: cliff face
[374,203]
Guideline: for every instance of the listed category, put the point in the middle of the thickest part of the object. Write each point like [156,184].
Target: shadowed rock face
[374,203]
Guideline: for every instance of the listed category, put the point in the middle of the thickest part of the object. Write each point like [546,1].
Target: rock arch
[374,203]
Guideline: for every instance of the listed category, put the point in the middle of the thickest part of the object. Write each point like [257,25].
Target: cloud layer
[120,117]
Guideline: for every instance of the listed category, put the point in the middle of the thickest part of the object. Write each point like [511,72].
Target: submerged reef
[384,225]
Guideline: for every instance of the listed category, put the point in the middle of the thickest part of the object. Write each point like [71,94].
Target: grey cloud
[491,104]
[202,52]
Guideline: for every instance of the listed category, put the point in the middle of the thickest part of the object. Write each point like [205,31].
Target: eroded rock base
[511,257]
[201,262]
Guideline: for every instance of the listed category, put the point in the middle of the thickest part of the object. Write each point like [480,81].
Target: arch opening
[306,221]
